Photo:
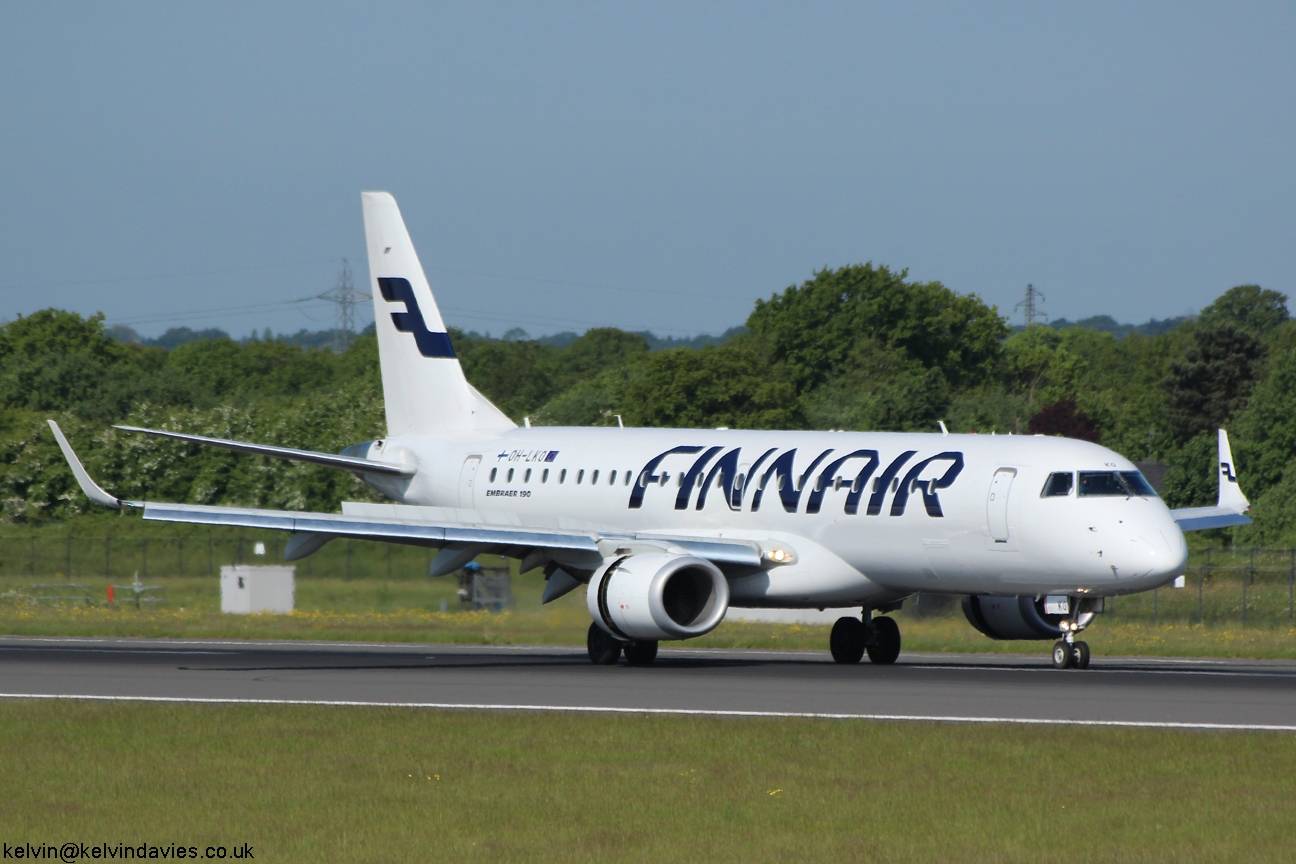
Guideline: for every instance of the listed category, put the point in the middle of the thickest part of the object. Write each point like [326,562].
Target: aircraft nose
[1160,550]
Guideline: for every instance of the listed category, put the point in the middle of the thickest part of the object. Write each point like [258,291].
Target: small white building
[246,589]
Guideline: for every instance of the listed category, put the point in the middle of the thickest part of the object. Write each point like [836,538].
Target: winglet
[1230,493]
[92,489]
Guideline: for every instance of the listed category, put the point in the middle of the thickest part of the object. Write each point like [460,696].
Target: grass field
[358,784]
[409,610]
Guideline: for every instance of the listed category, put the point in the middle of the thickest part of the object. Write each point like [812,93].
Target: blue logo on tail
[411,320]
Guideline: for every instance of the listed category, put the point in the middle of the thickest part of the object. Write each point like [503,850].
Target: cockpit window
[1115,483]
[1058,485]
[1095,483]
[1138,484]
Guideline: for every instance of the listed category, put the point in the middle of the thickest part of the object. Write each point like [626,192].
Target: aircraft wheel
[640,653]
[847,640]
[1080,655]
[1063,655]
[603,649]
[885,647]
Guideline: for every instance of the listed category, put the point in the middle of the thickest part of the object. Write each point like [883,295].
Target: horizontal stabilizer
[1201,518]
[330,460]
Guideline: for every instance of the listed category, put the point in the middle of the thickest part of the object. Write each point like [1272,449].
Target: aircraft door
[467,477]
[997,504]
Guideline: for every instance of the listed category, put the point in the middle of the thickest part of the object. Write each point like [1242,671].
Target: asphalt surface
[1140,691]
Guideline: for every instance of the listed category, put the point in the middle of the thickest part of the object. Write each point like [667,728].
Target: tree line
[860,347]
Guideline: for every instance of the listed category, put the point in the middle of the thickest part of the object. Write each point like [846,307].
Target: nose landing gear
[1070,655]
[1068,652]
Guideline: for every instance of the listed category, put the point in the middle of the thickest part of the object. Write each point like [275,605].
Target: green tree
[1214,379]
[724,385]
[1249,306]
[516,376]
[880,389]
[53,360]
[812,328]
[1041,366]
[595,352]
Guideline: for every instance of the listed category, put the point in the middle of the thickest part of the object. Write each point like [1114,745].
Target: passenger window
[612,479]
[544,476]
[627,478]
[562,476]
[494,471]
[1058,485]
[580,476]
[594,477]
[526,478]
[510,475]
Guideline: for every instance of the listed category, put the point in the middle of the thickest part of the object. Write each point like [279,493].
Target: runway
[948,687]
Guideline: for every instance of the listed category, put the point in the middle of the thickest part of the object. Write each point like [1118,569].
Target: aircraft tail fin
[424,387]
[1230,493]
[1230,511]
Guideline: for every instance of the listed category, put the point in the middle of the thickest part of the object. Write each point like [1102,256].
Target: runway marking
[692,712]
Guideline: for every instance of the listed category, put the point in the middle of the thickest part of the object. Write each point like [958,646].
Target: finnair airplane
[666,529]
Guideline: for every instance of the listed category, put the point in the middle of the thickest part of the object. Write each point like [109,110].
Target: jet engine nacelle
[658,596]
[1014,617]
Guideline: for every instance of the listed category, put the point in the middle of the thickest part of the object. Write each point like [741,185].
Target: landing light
[779,556]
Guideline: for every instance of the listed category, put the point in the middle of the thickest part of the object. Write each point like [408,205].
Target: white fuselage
[867,516]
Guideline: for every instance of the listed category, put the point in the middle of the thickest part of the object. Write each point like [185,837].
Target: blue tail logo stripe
[395,290]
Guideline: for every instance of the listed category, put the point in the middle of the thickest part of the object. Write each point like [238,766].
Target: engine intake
[1013,617]
[659,596]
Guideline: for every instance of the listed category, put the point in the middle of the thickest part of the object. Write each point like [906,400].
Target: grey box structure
[246,589]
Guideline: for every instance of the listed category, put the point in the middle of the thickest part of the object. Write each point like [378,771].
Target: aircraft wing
[330,460]
[460,534]
[1232,505]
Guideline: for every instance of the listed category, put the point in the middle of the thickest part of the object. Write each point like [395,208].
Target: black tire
[603,649]
[1063,655]
[847,640]
[640,653]
[884,648]
[1080,655]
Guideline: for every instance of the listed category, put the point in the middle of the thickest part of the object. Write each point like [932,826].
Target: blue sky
[648,166]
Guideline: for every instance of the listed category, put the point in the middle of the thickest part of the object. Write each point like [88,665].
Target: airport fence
[49,559]
[1230,586]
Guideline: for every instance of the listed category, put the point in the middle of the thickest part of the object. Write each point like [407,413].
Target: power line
[207,313]
[155,276]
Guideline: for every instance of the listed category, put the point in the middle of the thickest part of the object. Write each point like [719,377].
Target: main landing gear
[851,638]
[605,650]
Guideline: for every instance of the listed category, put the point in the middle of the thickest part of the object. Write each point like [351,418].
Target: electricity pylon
[1028,306]
[346,297]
